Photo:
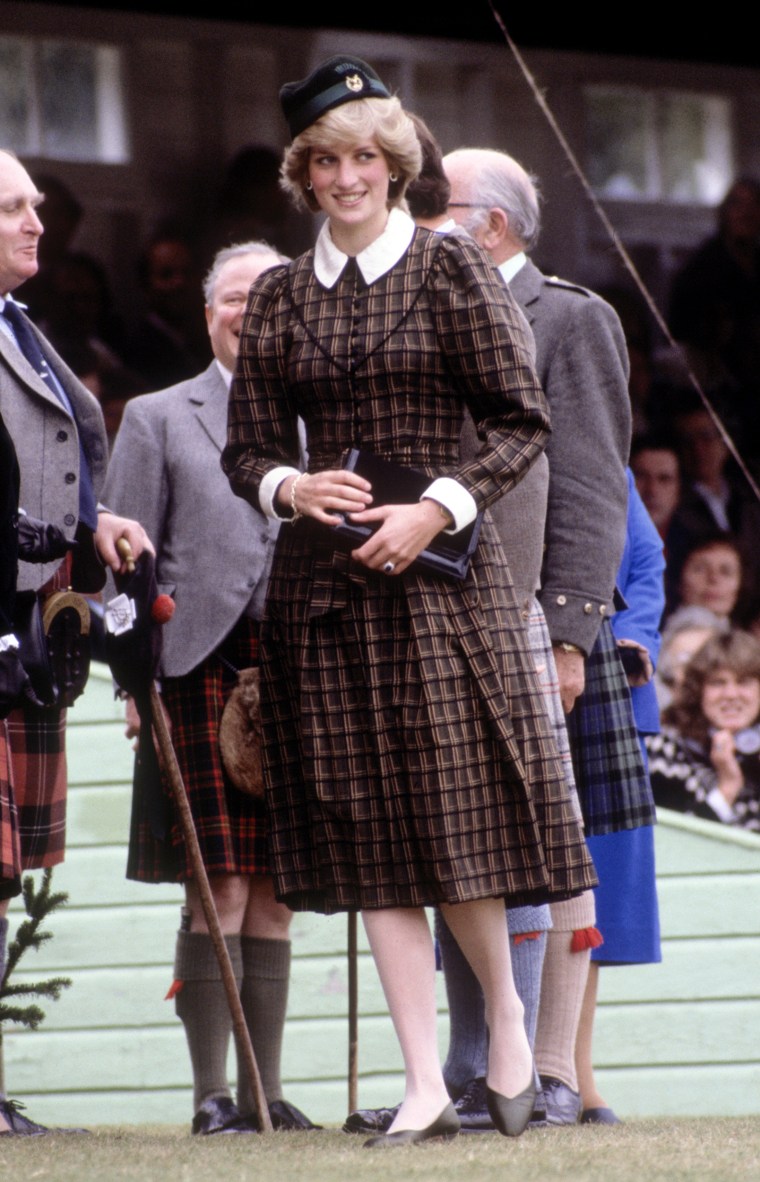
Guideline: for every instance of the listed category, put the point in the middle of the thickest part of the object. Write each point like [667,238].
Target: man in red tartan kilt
[57,429]
[213,557]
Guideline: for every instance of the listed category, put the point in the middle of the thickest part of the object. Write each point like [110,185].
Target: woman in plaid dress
[408,756]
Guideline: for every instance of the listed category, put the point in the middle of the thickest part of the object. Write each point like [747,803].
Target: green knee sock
[264,996]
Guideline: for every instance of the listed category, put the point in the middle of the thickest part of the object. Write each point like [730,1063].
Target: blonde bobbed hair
[384,120]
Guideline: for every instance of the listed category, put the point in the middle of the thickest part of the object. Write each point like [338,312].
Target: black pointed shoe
[511,1115]
[445,1125]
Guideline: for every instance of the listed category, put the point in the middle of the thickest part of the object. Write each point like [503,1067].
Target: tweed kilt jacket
[408,755]
[47,439]
[582,364]
[212,553]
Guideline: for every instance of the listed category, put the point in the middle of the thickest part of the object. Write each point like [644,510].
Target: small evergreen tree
[39,904]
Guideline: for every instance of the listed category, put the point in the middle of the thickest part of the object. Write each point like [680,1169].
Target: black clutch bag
[448,555]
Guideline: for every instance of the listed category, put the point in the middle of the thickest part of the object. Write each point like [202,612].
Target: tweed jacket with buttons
[47,444]
[582,364]
[212,550]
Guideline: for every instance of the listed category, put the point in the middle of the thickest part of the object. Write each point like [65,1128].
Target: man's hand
[571,674]
[133,724]
[110,529]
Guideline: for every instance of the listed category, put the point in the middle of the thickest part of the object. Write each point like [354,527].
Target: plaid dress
[408,755]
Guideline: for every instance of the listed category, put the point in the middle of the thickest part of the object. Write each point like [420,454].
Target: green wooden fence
[682,1038]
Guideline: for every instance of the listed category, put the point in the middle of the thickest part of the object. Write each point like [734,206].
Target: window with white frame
[658,145]
[62,100]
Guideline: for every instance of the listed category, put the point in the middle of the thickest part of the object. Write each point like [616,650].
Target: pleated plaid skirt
[231,825]
[408,754]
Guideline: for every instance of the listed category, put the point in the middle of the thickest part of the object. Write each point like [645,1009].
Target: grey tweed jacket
[582,364]
[46,439]
[212,549]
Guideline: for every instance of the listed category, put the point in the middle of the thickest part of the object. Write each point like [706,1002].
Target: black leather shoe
[556,1103]
[599,1116]
[511,1115]
[370,1120]
[286,1117]
[21,1126]
[472,1109]
[220,1115]
[445,1125]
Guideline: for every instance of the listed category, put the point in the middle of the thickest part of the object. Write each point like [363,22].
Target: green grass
[726,1150]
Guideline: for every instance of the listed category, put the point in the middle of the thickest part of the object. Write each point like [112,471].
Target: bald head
[495,199]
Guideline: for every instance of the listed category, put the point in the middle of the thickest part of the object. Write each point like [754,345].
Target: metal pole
[353,1015]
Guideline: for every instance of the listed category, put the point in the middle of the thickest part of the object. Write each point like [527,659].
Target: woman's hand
[638,665]
[723,758]
[405,531]
[323,494]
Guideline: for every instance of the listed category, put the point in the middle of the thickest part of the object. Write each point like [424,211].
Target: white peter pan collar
[374,261]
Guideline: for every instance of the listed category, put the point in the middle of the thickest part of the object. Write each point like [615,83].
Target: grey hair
[500,182]
[233,252]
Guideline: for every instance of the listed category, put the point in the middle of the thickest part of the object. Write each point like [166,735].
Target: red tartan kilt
[10,854]
[37,745]
[231,825]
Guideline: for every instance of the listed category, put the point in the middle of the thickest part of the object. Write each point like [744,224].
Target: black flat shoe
[287,1118]
[599,1116]
[445,1125]
[219,1115]
[511,1115]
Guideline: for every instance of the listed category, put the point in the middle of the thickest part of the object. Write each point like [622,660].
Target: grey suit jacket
[582,364]
[47,444]
[212,549]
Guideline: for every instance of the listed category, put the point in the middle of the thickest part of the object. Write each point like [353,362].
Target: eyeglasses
[468,205]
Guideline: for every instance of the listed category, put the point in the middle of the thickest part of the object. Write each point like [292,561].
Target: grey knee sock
[527,965]
[467,1057]
[202,1006]
[264,996]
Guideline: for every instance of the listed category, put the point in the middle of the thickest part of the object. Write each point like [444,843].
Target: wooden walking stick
[171,768]
[353,1015]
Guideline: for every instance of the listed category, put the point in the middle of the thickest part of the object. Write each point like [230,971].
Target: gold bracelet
[296,512]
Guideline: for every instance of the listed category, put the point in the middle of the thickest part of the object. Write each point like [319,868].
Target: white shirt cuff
[7,642]
[268,491]
[459,502]
[720,805]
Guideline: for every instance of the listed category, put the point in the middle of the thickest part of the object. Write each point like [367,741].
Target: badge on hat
[341,79]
